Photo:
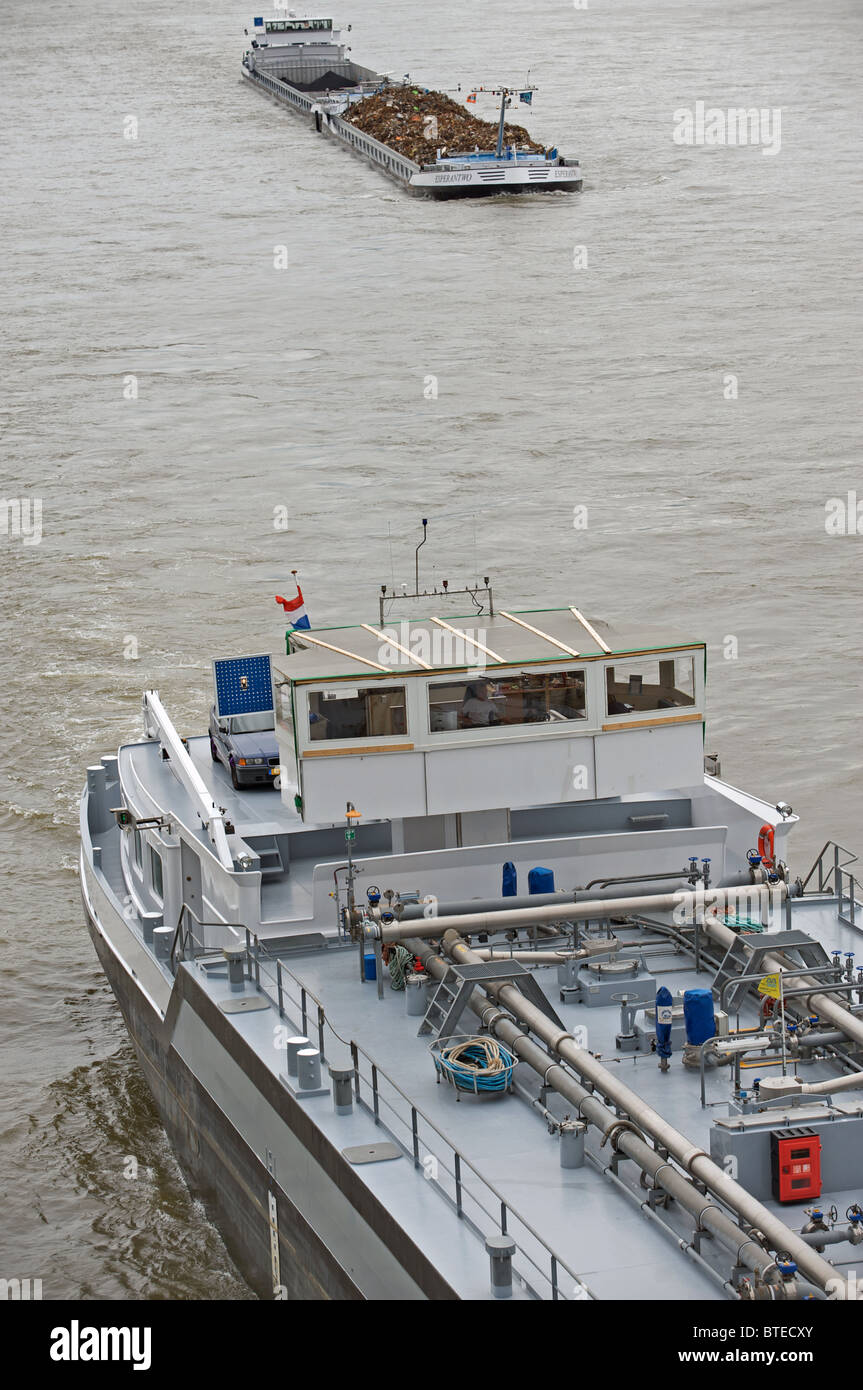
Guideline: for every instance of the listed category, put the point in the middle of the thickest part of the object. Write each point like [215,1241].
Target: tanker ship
[457,971]
[424,141]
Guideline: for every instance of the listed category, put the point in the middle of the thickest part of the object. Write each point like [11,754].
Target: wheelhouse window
[638,684]
[156,873]
[138,848]
[541,698]
[374,712]
[281,26]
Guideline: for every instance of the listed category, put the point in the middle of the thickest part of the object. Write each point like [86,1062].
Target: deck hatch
[371,1153]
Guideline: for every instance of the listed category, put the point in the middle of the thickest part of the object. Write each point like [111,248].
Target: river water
[167,390]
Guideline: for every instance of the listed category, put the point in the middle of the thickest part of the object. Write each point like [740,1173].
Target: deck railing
[475,1201]
[834,877]
[359,140]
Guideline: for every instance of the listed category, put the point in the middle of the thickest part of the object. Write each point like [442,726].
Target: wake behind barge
[672,1107]
[302,63]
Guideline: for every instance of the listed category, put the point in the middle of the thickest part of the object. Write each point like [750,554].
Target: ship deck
[588,1229]
[581,1215]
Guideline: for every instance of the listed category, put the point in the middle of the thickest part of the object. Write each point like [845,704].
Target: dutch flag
[296,609]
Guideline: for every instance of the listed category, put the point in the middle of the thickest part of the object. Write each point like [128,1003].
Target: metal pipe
[807,1040]
[589,950]
[685,1245]
[818,1238]
[821,1004]
[691,1158]
[745,1250]
[680,875]
[537,957]
[410,912]
[471,922]
[751,978]
[775,1086]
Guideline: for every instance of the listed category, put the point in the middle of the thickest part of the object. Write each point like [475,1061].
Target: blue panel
[259,23]
[244,685]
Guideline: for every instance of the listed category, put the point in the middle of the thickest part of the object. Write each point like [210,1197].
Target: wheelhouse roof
[512,637]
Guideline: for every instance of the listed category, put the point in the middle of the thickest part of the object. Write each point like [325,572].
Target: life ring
[766,845]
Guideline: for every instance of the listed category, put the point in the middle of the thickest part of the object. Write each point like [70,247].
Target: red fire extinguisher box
[795,1160]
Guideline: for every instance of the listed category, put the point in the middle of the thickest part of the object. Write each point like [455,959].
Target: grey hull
[235,1185]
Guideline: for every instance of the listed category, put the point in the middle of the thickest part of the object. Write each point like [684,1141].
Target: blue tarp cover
[540,881]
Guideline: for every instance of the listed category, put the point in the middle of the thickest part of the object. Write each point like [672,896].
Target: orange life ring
[766,845]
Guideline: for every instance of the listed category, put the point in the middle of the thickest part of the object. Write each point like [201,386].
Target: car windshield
[257,723]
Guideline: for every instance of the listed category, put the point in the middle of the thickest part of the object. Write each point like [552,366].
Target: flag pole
[503,96]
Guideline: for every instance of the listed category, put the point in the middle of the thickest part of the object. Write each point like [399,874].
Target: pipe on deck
[411,912]
[600,946]
[821,1004]
[467,924]
[691,1158]
[776,1086]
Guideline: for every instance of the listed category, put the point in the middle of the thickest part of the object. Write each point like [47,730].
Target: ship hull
[417,181]
[263,1200]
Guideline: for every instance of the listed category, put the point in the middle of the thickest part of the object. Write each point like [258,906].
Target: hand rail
[258,958]
[181,938]
[835,868]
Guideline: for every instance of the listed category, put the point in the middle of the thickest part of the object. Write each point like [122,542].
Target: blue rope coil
[477,1065]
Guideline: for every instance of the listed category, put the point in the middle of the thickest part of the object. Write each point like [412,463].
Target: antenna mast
[480,594]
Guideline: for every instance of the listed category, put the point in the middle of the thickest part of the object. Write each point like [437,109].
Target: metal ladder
[454,991]
[738,961]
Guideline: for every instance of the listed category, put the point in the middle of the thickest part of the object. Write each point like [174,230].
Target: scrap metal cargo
[423,124]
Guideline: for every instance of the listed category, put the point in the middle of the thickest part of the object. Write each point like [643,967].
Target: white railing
[475,1201]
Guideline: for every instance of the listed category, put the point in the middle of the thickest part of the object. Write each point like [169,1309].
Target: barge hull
[334,1240]
[419,182]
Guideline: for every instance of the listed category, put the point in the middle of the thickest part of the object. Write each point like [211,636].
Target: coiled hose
[476,1064]
[399,965]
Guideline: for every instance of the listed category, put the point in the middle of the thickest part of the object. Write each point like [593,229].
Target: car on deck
[246,745]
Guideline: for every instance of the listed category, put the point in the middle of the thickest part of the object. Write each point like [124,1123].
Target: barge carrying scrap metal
[424,140]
